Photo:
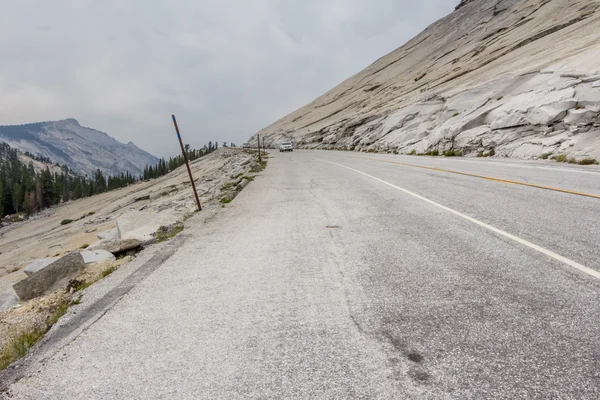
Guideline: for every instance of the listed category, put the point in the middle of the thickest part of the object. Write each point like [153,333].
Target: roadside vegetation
[165,233]
[563,158]
[23,327]
[17,344]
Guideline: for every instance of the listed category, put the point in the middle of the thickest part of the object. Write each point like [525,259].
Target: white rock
[39,264]
[110,234]
[95,256]
[8,299]
[142,225]
[581,116]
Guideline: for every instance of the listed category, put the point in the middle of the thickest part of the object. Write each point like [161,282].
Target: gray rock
[97,245]
[39,264]
[53,277]
[243,184]
[121,246]
[95,256]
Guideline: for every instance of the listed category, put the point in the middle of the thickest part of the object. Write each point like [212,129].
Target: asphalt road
[342,275]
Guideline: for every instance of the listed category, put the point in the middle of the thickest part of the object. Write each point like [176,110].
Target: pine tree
[1,197]
[27,204]
[17,196]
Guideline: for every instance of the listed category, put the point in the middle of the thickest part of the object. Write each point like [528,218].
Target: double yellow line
[489,178]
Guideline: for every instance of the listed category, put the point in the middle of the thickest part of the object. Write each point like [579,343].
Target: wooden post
[258,139]
[187,163]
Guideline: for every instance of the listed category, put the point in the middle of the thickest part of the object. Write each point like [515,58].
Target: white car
[286,146]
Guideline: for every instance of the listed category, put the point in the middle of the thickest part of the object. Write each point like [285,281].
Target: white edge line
[517,239]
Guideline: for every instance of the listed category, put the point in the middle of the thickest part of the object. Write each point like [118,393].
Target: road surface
[343,275]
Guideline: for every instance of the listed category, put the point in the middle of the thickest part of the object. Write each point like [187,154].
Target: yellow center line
[489,178]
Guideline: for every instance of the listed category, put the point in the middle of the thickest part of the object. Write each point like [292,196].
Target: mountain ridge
[82,149]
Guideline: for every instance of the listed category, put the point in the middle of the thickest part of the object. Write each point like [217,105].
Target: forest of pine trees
[22,189]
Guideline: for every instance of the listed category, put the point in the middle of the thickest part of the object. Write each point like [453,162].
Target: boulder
[110,234]
[37,265]
[8,299]
[95,256]
[243,184]
[98,244]
[50,278]
[121,246]
[142,226]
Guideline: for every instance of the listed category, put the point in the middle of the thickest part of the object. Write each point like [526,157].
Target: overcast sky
[225,68]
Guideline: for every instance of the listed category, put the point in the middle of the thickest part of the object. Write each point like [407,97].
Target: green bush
[66,221]
[587,161]
[108,271]
[561,158]
[452,153]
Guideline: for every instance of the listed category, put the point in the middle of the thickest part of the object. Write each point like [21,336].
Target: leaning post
[259,157]
[187,163]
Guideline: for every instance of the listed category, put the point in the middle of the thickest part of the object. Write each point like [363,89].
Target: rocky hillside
[519,77]
[82,149]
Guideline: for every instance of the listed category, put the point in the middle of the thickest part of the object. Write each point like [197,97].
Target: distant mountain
[82,149]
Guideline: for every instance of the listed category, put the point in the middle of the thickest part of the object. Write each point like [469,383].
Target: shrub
[545,156]
[18,346]
[166,232]
[228,186]
[561,158]
[108,271]
[66,221]
[452,153]
[587,161]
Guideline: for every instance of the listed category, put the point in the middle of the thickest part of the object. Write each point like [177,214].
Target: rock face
[82,149]
[520,77]
[53,277]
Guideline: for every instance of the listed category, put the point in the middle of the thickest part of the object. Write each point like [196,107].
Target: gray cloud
[225,68]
